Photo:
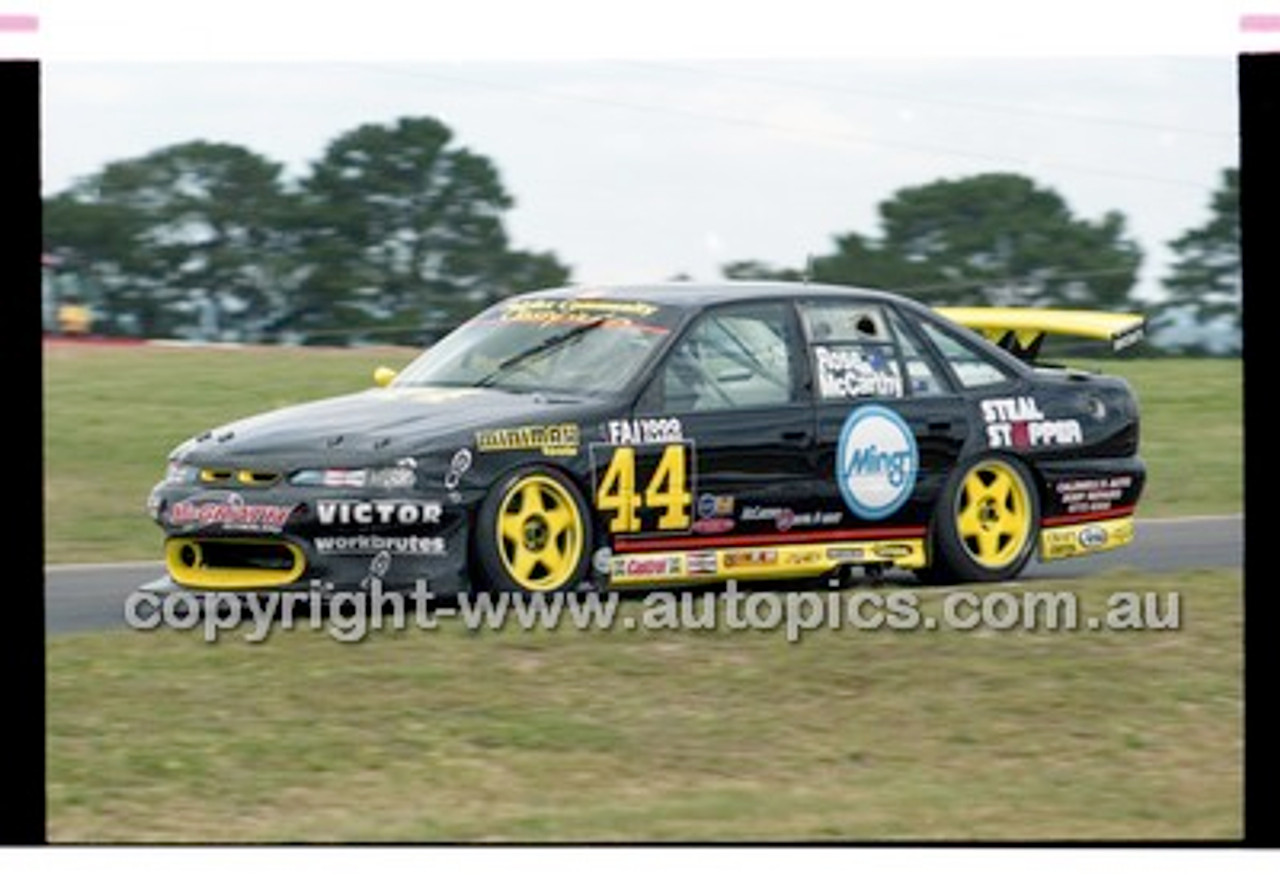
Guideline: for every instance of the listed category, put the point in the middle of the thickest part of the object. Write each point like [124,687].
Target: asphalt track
[91,597]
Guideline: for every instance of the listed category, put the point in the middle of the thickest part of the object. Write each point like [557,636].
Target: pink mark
[1258,22]
[18,23]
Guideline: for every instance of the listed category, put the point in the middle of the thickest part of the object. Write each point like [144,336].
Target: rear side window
[923,377]
[853,351]
[971,368]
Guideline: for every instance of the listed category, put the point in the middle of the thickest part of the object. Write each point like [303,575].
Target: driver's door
[719,450]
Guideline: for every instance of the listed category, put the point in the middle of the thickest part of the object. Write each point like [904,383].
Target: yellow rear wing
[1022,330]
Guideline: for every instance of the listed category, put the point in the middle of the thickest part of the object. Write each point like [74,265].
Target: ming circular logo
[876,462]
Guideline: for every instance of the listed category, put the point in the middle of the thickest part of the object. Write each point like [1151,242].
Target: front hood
[377,424]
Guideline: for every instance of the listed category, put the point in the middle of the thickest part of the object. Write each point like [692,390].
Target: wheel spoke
[969,522]
[524,564]
[511,526]
[974,489]
[555,560]
[989,543]
[557,519]
[535,500]
[1000,489]
[1010,523]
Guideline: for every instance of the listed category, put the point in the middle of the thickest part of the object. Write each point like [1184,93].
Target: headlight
[399,476]
[178,473]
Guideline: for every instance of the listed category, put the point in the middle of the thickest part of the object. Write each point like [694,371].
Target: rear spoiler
[1021,330]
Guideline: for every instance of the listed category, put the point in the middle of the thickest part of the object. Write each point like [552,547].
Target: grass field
[613,735]
[112,414]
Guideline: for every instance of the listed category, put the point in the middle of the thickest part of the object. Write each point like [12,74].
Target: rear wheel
[985,522]
[532,533]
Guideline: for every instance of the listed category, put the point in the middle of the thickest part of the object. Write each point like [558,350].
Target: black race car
[674,434]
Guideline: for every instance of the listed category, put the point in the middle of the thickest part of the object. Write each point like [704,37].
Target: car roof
[692,295]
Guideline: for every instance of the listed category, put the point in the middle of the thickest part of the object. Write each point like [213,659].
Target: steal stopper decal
[876,461]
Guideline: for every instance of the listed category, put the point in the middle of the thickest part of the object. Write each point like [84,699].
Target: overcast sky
[640,170]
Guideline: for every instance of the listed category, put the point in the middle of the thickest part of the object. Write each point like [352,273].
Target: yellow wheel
[993,514]
[537,534]
[985,522]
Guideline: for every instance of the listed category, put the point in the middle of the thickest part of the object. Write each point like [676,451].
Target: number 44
[667,491]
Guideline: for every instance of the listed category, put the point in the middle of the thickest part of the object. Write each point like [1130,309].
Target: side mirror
[384,375]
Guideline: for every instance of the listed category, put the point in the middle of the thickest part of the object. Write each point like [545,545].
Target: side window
[922,377]
[971,368]
[854,353]
[735,357]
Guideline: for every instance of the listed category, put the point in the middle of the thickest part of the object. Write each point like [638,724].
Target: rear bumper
[1067,539]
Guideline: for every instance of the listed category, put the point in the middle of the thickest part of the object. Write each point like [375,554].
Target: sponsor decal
[600,560]
[610,313]
[781,517]
[378,512]
[734,559]
[1019,423]
[1127,339]
[846,372]
[846,554]
[559,439]
[713,525]
[458,466]
[646,566]
[785,518]
[711,505]
[1092,495]
[380,546]
[876,461]
[230,512]
[892,551]
[585,305]
[1092,537]
[645,431]
[701,563]
[381,564]
[801,558]
[1080,540]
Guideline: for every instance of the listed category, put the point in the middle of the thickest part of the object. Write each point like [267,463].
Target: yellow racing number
[617,492]
[667,491]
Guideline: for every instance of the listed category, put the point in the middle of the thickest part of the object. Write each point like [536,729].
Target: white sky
[677,162]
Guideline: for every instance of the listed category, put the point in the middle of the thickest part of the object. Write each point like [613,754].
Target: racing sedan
[582,438]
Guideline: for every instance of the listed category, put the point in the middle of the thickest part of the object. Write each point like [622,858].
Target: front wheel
[984,526]
[532,534]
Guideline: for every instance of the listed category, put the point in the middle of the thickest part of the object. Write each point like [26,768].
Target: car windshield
[571,347]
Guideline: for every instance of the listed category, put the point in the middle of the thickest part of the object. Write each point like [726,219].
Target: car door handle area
[795,436]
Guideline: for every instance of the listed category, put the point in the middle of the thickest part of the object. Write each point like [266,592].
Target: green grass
[634,736]
[112,414]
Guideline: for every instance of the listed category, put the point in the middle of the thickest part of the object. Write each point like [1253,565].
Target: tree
[1205,277]
[197,230]
[992,239]
[754,270]
[402,229]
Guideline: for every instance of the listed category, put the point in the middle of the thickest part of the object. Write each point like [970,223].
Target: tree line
[397,233]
